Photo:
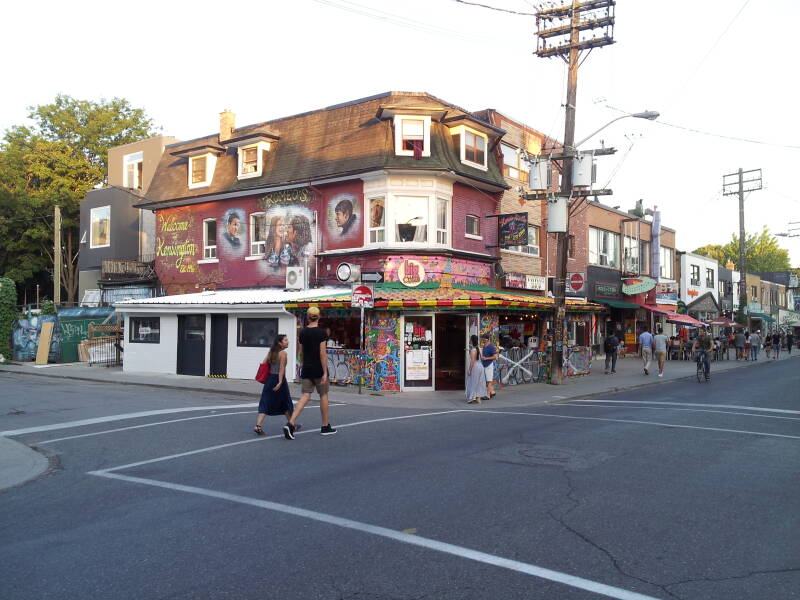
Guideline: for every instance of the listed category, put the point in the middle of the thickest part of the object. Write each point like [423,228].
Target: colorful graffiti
[343,366]
[577,361]
[382,343]
[177,250]
[490,326]
[442,269]
[25,338]
[288,237]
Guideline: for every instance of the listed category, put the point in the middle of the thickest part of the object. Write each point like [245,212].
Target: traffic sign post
[576,281]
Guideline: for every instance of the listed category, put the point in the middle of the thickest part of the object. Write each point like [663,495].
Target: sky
[718,71]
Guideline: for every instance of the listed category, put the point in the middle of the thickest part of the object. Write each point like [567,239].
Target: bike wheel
[527,372]
[700,373]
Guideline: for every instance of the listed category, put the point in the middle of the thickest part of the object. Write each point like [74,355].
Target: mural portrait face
[232,229]
[342,215]
[290,238]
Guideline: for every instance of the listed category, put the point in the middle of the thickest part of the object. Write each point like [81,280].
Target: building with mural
[254,224]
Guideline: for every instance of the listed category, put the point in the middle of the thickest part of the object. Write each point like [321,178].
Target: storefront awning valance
[657,310]
[762,316]
[684,320]
[619,304]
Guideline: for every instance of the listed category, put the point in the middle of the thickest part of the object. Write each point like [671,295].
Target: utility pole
[559,33]
[57,256]
[737,184]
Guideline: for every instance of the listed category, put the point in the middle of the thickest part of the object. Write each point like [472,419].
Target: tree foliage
[56,161]
[762,252]
[8,299]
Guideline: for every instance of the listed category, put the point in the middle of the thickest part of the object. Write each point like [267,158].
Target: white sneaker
[660,374]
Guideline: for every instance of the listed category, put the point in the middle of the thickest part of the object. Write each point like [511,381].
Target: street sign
[362,296]
[576,281]
[372,276]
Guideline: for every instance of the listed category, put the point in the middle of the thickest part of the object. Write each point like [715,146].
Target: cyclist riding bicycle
[702,345]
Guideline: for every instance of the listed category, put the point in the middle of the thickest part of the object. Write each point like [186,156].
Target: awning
[619,304]
[762,316]
[685,320]
[721,322]
[656,309]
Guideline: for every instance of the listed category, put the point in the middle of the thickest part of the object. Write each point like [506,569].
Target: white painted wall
[243,361]
[152,358]
[704,263]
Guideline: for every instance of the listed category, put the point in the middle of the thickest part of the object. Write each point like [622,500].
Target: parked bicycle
[518,365]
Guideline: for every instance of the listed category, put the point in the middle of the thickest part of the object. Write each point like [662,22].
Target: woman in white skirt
[476,378]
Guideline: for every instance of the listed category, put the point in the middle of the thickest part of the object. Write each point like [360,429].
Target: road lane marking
[125,416]
[83,435]
[270,437]
[721,412]
[398,536]
[634,422]
[754,408]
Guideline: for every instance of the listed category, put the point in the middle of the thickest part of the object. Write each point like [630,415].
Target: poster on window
[417,365]
[512,230]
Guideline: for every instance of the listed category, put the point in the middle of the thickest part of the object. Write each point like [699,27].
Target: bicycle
[701,368]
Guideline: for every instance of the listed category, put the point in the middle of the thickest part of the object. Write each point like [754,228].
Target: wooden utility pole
[738,183]
[559,32]
[57,256]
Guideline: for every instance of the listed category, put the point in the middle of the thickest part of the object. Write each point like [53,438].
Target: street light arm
[650,115]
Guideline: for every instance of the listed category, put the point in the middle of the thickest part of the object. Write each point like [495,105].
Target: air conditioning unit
[295,278]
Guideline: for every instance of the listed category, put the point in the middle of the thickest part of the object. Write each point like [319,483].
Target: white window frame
[209,250]
[393,200]
[255,243]
[472,236]
[260,148]
[630,254]
[667,263]
[91,227]
[136,158]
[528,249]
[377,231]
[510,167]
[461,132]
[644,257]
[595,248]
[398,134]
[211,162]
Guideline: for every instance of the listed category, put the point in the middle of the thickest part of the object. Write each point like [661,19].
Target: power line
[505,10]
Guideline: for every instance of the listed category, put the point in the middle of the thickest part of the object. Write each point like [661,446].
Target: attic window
[251,160]
[133,170]
[201,170]
[472,146]
[412,136]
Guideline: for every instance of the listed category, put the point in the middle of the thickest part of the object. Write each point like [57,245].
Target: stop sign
[576,281]
[362,296]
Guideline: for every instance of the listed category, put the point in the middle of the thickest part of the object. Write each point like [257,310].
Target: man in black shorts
[313,373]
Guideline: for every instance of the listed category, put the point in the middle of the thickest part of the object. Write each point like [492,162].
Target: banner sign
[637,285]
[521,281]
[512,230]
[667,293]
[606,290]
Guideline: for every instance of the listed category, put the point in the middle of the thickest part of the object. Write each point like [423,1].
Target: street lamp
[650,115]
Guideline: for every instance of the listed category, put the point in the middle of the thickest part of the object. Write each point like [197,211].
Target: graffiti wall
[382,344]
[250,242]
[490,326]
[25,338]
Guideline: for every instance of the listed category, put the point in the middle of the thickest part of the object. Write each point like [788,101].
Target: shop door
[418,341]
[451,335]
[219,345]
[191,345]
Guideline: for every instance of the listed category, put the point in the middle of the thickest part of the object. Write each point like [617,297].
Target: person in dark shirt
[313,373]
[776,345]
[789,343]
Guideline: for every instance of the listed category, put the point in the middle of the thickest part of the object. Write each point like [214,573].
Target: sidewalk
[19,463]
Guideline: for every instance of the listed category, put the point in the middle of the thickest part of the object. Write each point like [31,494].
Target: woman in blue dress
[275,397]
[476,378]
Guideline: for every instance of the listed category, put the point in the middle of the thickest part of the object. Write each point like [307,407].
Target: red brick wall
[468,200]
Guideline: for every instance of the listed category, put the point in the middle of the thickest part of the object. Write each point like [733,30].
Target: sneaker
[327,430]
[646,372]
[288,431]
[660,374]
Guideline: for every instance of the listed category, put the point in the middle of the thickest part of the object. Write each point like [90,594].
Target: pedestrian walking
[755,344]
[275,396]
[476,377]
[747,345]
[610,347]
[738,341]
[488,356]
[776,345]
[646,344]
[660,342]
[789,342]
[313,374]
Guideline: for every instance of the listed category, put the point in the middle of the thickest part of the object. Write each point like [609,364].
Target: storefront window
[256,332]
[145,330]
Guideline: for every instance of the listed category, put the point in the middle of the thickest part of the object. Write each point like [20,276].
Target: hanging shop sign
[520,281]
[512,230]
[606,290]
[576,282]
[637,285]
[411,272]
[666,293]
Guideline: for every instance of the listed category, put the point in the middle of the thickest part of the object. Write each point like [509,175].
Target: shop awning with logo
[762,316]
[619,304]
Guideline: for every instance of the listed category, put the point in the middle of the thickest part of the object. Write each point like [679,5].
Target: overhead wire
[505,10]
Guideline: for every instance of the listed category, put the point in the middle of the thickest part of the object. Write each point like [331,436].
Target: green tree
[762,252]
[56,161]
[8,299]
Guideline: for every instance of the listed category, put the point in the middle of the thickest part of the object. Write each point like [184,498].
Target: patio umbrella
[722,322]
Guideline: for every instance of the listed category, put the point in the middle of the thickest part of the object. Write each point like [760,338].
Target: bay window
[442,218]
[408,219]
[377,220]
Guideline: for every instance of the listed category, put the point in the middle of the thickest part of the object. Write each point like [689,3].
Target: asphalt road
[689,491]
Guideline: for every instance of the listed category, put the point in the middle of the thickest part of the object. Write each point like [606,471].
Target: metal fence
[104,345]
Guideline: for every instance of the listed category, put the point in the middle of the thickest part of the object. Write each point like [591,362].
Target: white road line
[398,536]
[721,412]
[754,408]
[123,417]
[271,437]
[83,435]
[633,422]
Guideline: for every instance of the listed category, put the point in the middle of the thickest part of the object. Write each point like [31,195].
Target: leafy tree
[762,252]
[56,162]
[8,298]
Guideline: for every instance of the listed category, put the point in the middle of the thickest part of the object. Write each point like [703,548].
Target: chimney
[227,121]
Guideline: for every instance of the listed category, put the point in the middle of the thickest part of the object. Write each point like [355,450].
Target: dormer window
[251,160]
[472,146]
[201,170]
[412,136]
[132,170]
